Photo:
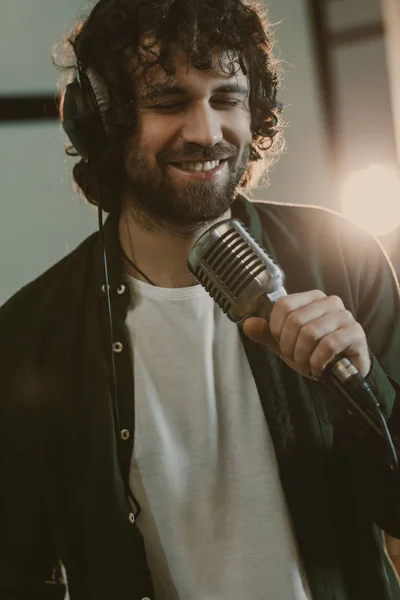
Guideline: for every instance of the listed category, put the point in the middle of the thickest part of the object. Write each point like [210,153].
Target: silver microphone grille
[237,273]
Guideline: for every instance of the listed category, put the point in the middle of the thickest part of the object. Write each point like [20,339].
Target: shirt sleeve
[377,300]
[29,563]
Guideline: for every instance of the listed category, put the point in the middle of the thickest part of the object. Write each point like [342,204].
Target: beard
[158,201]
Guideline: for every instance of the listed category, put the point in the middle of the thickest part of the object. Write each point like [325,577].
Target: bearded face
[193,143]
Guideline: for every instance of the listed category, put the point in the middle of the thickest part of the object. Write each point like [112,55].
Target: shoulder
[309,228]
[37,326]
[38,299]
[321,248]
[304,219]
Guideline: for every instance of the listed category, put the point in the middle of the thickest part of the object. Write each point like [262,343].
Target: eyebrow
[161,91]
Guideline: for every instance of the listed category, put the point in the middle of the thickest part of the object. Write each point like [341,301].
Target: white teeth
[201,166]
[210,166]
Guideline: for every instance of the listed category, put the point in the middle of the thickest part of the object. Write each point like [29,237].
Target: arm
[377,308]
[29,564]
[309,329]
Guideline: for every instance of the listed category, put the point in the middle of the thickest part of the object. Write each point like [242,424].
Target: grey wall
[302,174]
[28,31]
[365,116]
[42,218]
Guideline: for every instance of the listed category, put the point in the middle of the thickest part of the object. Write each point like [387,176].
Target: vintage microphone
[246,282]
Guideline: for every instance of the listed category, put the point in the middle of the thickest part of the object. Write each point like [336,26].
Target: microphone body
[242,278]
[237,273]
[246,282]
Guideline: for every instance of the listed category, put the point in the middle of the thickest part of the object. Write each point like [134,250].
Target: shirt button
[103,288]
[118,347]
[125,434]
[121,290]
[146,598]
[131,518]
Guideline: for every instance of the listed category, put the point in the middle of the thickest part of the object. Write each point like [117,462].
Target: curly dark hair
[146,28]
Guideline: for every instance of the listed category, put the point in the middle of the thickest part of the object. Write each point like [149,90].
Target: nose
[203,126]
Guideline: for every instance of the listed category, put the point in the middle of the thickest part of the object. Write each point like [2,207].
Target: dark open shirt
[63,489]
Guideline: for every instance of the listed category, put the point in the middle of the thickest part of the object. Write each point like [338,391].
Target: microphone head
[237,273]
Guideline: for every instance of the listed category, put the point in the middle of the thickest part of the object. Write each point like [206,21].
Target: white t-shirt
[214,518]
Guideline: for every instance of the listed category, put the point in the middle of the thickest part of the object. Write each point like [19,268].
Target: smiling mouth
[199,167]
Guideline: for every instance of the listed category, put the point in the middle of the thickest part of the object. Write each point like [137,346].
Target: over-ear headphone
[84,119]
[84,113]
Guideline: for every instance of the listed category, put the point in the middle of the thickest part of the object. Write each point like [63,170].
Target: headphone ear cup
[73,118]
[83,115]
[100,94]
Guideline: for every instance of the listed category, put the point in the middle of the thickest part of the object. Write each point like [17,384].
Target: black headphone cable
[114,386]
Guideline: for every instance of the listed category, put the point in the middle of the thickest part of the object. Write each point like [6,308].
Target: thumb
[258,331]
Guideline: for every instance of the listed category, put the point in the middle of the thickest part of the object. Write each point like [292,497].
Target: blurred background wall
[41,217]
[340,92]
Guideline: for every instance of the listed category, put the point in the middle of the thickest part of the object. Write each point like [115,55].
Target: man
[225,470]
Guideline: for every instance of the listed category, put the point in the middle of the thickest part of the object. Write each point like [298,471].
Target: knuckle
[309,333]
[349,315]
[361,335]
[336,302]
[294,319]
[329,345]
[319,294]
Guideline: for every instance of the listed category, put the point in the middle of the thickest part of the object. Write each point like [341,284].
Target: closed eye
[169,107]
[228,103]
[177,106]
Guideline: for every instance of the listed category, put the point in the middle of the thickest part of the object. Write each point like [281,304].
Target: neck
[161,253]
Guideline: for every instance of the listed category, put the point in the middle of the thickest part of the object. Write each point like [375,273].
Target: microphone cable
[245,281]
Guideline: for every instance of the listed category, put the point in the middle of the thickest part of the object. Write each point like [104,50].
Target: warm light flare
[371,198]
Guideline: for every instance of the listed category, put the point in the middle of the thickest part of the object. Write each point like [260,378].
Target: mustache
[196,153]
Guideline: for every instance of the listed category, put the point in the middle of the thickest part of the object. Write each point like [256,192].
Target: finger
[350,340]
[288,304]
[313,332]
[301,317]
[258,331]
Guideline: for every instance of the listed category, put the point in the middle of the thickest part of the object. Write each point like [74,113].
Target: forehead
[225,67]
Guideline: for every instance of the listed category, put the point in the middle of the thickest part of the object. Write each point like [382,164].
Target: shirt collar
[242,209]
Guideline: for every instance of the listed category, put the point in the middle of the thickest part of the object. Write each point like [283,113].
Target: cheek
[238,130]
[146,144]
[155,135]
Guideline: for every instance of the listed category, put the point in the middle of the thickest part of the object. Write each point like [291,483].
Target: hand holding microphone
[308,330]
[313,333]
